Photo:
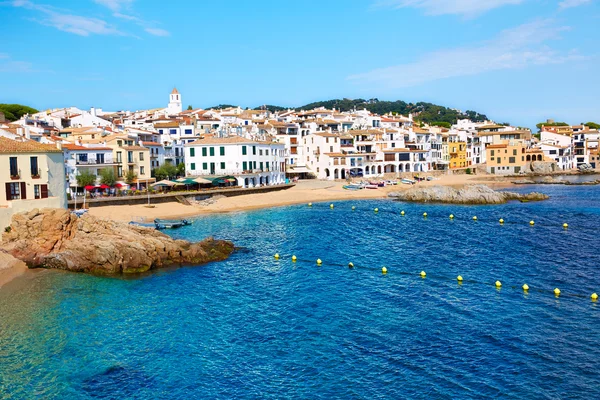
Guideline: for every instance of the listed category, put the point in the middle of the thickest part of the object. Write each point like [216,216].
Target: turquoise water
[254,327]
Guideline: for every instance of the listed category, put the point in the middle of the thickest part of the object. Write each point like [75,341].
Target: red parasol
[104,187]
[119,185]
[90,187]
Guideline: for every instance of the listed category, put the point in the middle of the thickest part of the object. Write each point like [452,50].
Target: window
[260,152]
[160,131]
[188,131]
[204,166]
[33,161]
[492,153]
[130,156]
[204,151]
[222,151]
[511,160]
[267,152]
[14,168]
[120,171]
[142,171]
[212,151]
[192,152]
[261,166]
[141,156]
[253,164]
[244,152]
[499,159]
[193,166]
[15,190]
[253,150]
[223,165]
[244,166]
[119,143]
[119,158]
[514,152]
[36,191]
[100,158]
[173,131]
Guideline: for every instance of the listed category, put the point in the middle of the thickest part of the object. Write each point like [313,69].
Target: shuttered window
[44,191]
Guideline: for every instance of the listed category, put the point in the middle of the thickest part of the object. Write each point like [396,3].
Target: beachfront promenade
[200,194]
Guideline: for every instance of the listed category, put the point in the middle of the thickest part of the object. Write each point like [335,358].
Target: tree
[592,125]
[539,126]
[130,177]
[165,171]
[190,107]
[442,124]
[85,178]
[13,112]
[180,169]
[107,177]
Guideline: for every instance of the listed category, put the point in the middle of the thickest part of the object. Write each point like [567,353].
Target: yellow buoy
[451,216]
[557,292]
[425,215]
[376,210]
[474,218]
[594,296]
[423,274]
[498,284]
[276,256]
[350,265]
[310,204]
[459,278]
[294,258]
[353,208]
[319,262]
[532,222]
[384,270]
[401,212]
[331,206]
[565,225]
[525,287]
[501,221]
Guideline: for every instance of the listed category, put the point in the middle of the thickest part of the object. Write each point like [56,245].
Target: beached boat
[371,186]
[170,223]
[353,186]
[407,181]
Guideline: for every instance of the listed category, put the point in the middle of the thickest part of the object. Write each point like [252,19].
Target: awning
[164,183]
[202,181]
[231,180]
[298,170]
[187,181]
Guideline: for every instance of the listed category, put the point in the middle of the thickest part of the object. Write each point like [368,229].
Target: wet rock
[470,194]
[56,238]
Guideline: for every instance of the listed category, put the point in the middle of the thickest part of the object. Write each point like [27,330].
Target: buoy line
[456,218]
[525,288]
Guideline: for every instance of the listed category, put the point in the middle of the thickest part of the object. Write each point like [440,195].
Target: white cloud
[79,25]
[468,8]
[115,5]
[572,3]
[157,32]
[515,48]
[7,65]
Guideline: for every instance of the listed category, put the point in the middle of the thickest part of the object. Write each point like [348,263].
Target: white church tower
[174,103]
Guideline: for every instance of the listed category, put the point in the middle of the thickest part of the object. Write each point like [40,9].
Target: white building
[79,158]
[174,106]
[252,163]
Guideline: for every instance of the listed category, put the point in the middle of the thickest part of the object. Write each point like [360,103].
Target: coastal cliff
[56,238]
[469,194]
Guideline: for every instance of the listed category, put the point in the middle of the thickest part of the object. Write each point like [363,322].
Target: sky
[517,61]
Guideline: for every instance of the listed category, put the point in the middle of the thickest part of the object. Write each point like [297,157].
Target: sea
[260,327]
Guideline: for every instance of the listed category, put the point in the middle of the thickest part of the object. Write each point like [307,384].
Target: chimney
[93,111]
[59,145]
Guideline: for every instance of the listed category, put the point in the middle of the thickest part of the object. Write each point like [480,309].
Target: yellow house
[458,154]
[32,175]
[506,158]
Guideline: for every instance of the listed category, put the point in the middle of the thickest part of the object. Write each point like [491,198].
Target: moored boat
[170,223]
[407,181]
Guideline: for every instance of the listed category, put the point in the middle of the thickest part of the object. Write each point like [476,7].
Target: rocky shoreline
[550,180]
[469,194]
[58,239]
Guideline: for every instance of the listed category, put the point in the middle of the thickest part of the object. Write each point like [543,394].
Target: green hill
[13,112]
[424,112]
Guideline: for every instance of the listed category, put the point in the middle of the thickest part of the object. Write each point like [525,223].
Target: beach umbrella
[104,186]
[164,183]
[119,185]
[202,181]
[90,187]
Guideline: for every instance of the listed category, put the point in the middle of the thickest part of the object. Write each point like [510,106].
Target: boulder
[57,238]
[469,194]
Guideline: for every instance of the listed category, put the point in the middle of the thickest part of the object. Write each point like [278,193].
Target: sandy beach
[304,192]
[10,268]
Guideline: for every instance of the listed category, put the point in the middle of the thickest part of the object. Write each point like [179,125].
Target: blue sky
[519,61]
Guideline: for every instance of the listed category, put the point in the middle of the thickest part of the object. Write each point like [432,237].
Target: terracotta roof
[9,146]
[151,144]
[211,140]
[497,146]
[70,146]
[396,150]
[166,125]
[175,91]
[134,148]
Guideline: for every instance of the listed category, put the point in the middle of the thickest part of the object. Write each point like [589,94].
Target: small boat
[371,186]
[142,224]
[418,179]
[170,223]
[408,181]
[353,186]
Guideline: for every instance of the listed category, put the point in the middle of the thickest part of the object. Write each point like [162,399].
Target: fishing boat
[407,181]
[170,223]
[353,186]
[371,186]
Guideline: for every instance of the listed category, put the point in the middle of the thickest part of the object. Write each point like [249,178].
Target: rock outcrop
[470,194]
[56,238]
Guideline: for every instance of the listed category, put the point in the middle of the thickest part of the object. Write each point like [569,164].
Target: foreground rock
[56,238]
[470,194]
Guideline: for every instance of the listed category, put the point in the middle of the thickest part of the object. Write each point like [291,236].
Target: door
[212,168]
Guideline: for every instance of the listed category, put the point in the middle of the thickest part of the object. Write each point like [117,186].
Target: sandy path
[304,192]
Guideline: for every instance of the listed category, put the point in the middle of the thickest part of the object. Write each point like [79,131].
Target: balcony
[36,173]
[95,162]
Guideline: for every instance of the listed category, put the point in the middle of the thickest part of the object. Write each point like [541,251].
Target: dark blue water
[253,327]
